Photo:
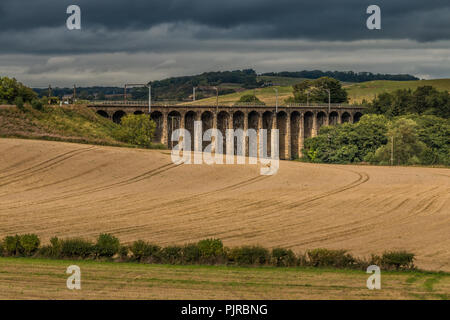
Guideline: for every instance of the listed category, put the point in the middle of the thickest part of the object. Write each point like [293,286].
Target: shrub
[56,247]
[210,248]
[123,252]
[107,245]
[191,253]
[330,258]
[172,254]
[2,252]
[19,103]
[250,98]
[76,247]
[136,129]
[29,244]
[142,250]
[398,260]
[11,245]
[249,255]
[37,104]
[283,257]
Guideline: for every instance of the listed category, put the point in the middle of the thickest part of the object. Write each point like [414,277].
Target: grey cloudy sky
[142,40]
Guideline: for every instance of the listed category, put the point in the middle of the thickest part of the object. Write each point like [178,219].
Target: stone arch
[345,117]
[357,116]
[308,124]
[173,123]
[103,113]
[295,130]
[333,118]
[157,117]
[207,123]
[282,131]
[223,123]
[118,115]
[189,119]
[267,121]
[321,120]
[138,112]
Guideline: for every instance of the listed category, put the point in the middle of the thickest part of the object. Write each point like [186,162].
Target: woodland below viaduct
[295,123]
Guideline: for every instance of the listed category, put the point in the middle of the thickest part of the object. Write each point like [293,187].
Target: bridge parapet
[177,104]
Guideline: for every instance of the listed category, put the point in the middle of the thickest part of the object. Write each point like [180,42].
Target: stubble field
[66,190]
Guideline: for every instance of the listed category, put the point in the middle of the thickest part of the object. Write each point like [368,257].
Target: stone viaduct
[294,122]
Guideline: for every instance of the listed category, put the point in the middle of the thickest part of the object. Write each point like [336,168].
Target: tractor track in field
[41,167]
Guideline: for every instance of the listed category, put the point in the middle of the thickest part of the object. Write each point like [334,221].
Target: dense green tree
[407,147]
[11,89]
[417,140]
[250,98]
[347,142]
[318,91]
[423,100]
[136,129]
[435,133]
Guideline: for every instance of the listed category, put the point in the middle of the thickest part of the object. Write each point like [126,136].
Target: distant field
[22,278]
[368,90]
[357,91]
[267,95]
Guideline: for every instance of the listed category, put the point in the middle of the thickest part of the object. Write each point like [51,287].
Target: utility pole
[276,101]
[217,99]
[193,93]
[74,93]
[125,93]
[149,99]
[329,100]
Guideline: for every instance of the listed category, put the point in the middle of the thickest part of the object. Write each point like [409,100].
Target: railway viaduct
[294,122]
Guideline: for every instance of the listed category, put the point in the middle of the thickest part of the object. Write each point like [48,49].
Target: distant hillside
[368,90]
[344,76]
[84,93]
[181,88]
[228,82]
[356,92]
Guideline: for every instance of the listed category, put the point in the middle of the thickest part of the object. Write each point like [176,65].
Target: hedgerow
[207,251]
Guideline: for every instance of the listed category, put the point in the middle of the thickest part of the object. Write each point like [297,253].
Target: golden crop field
[67,190]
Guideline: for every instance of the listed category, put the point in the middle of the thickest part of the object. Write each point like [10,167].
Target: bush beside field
[205,252]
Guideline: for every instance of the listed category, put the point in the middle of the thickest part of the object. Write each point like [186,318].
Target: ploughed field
[67,190]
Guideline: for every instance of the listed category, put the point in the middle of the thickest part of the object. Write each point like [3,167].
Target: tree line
[345,76]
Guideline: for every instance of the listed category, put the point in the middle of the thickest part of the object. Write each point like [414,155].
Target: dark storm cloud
[318,20]
[153,39]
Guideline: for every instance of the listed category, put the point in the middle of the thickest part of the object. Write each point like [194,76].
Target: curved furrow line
[148,174]
[44,163]
[61,180]
[16,164]
[366,227]
[44,166]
